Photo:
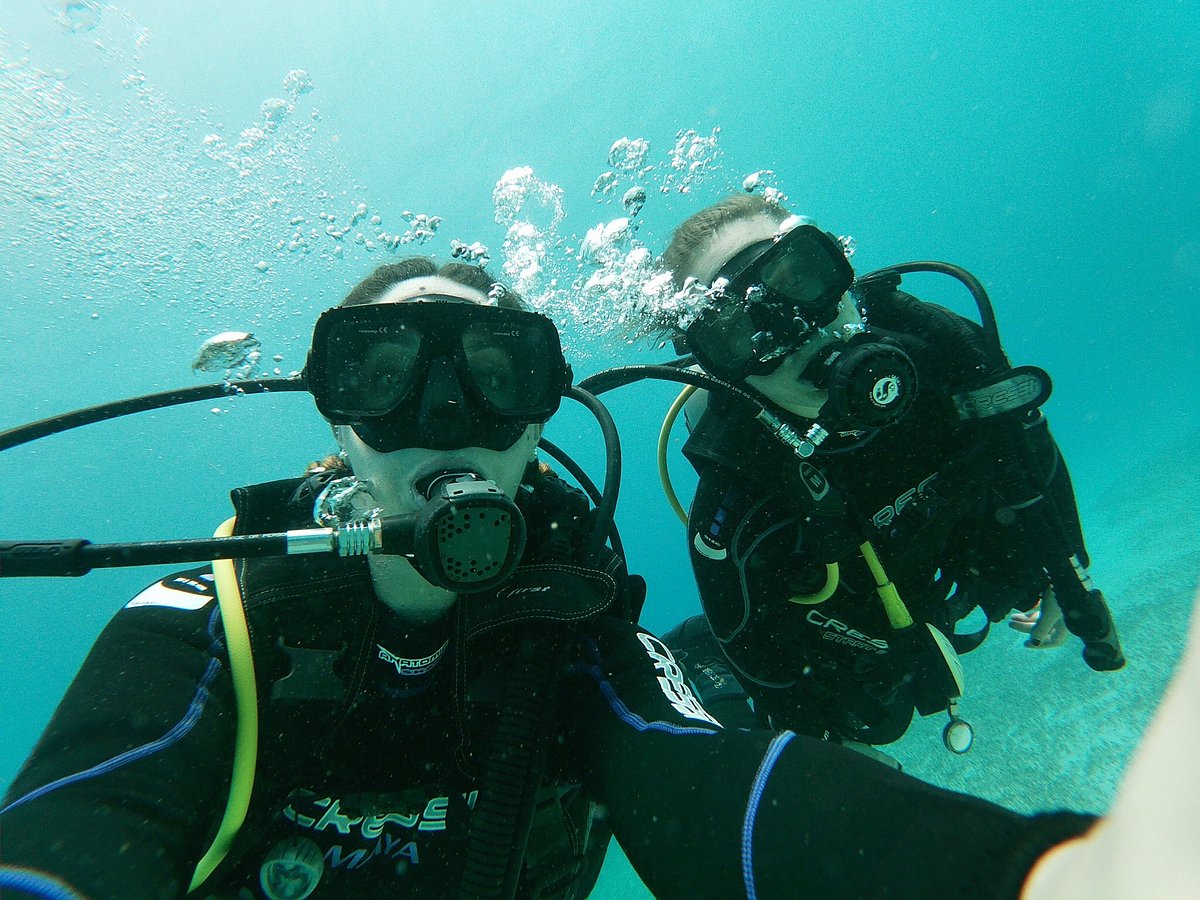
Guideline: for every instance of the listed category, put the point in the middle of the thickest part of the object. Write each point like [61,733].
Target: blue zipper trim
[36,884]
[178,732]
[774,751]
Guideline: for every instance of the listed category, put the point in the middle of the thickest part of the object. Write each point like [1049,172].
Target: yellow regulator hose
[664,437]
[245,692]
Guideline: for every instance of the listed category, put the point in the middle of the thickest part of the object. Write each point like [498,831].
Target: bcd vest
[310,664]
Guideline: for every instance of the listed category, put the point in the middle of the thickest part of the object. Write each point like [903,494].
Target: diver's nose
[443,408]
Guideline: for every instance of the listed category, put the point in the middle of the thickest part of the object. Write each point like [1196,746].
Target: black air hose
[500,826]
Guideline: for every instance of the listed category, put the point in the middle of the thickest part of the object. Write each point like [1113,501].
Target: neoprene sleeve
[829,822]
[149,722]
[700,811]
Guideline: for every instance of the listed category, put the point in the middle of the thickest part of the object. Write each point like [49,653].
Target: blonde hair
[690,239]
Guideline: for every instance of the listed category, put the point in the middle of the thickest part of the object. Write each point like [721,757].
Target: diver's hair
[383,278]
[334,462]
[693,234]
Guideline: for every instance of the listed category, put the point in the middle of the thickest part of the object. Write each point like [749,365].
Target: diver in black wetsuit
[919,482]
[416,739]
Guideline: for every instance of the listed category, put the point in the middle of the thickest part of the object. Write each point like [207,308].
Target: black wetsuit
[927,492]
[374,738]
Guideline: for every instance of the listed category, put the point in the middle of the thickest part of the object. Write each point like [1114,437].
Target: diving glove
[1091,622]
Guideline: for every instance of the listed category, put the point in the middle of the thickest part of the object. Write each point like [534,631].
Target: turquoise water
[168,173]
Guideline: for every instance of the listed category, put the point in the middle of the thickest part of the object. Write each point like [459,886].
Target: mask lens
[509,366]
[384,375]
[803,273]
[370,368]
[723,341]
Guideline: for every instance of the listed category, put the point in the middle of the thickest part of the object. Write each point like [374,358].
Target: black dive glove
[1088,618]
[919,666]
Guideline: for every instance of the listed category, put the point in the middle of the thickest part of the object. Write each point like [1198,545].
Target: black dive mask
[777,293]
[437,372]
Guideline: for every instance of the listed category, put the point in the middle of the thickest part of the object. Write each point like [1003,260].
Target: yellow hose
[664,437]
[897,613]
[826,591]
[245,692]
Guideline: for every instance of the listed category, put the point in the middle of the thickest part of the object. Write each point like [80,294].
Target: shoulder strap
[559,520]
[305,658]
[955,343]
[977,388]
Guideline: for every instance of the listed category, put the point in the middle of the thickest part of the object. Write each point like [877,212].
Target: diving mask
[776,294]
[437,372]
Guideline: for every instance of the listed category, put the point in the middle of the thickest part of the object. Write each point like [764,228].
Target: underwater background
[172,170]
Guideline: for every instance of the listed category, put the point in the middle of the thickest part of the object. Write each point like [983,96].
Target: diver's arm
[1146,845]
[1036,488]
[708,812]
[140,751]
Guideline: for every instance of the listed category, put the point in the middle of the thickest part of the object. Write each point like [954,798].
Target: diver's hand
[1044,623]
[1146,845]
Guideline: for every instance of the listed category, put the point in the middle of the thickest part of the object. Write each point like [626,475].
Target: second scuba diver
[446,721]
[906,478]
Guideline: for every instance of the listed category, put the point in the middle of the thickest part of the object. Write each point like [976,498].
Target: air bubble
[78,16]
[605,183]
[627,154]
[634,200]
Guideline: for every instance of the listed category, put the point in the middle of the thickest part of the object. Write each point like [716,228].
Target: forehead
[427,285]
[729,240]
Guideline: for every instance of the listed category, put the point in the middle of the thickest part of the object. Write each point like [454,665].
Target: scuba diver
[906,479]
[470,707]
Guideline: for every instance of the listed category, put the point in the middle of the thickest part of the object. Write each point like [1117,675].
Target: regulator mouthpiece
[871,383]
[468,537]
